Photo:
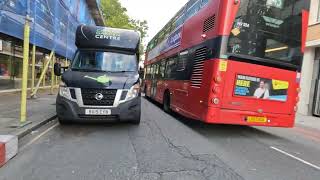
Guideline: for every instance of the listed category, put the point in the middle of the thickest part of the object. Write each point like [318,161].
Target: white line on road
[296,158]
[39,136]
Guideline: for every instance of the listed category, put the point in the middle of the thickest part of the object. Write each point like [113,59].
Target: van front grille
[89,97]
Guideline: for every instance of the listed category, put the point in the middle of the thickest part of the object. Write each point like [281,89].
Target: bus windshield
[268,29]
[104,61]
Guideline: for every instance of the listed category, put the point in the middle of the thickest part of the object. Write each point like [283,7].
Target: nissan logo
[98,96]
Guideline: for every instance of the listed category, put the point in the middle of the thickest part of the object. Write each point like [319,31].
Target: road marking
[296,158]
[39,136]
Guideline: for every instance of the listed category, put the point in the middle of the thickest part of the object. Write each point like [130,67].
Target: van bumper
[68,110]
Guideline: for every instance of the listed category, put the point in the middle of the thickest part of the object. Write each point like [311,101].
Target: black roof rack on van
[97,37]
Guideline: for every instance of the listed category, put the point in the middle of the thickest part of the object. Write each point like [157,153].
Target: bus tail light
[216,90]
[295,108]
[215,101]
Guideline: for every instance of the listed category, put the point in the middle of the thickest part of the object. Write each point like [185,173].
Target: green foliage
[116,16]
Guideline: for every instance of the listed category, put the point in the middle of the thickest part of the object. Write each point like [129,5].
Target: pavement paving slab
[39,111]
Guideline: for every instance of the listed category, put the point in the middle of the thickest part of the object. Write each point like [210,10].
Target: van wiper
[119,71]
[87,70]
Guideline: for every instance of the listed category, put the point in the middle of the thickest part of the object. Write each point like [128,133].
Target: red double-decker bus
[230,61]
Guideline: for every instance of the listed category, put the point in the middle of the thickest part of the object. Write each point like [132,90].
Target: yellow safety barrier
[26,41]
[34,93]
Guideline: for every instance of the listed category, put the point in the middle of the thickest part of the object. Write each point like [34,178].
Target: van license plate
[98,112]
[255,119]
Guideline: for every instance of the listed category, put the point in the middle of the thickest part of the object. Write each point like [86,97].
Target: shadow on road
[220,130]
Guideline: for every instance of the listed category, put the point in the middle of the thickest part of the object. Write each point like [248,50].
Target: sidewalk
[39,111]
[308,121]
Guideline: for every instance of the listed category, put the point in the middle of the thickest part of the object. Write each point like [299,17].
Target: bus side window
[148,72]
[182,61]
[151,72]
[162,69]
[171,67]
[168,68]
[156,71]
[193,9]
[204,3]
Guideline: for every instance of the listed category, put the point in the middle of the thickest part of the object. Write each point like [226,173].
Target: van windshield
[104,61]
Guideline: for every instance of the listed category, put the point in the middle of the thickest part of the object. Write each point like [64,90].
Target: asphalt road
[165,147]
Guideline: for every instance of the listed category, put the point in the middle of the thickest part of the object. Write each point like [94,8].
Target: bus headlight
[133,92]
[64,91]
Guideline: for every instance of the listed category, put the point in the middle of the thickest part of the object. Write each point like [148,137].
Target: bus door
[154,80]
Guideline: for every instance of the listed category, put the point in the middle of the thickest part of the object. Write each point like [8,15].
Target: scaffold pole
[33,67]
[26,41]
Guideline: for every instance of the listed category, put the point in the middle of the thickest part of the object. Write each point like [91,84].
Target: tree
[116,16]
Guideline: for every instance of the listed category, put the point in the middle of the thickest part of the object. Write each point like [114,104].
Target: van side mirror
[57,69]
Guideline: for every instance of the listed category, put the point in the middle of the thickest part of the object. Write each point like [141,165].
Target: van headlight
[133,92]
[64,91]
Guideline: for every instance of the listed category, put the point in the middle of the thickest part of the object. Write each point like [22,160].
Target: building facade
[53,26]
[310,75]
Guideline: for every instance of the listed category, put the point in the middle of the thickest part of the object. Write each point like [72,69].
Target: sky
[156,12]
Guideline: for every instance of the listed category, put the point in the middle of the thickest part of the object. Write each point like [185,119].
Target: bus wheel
[166,102]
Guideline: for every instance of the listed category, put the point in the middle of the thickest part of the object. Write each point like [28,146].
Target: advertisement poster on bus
[261,88]
[173,41]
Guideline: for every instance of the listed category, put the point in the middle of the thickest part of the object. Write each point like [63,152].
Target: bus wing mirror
[57,69]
